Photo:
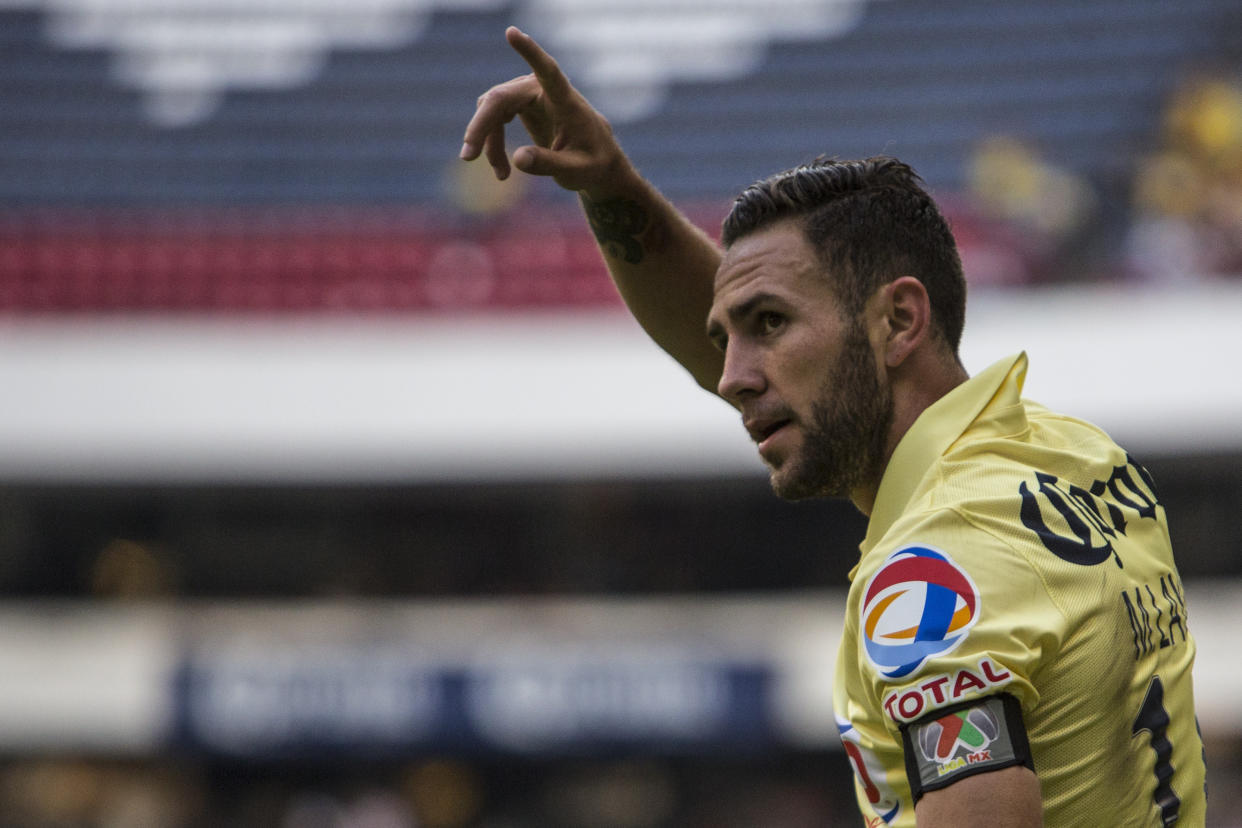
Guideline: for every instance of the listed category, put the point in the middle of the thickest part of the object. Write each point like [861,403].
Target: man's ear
[909,316]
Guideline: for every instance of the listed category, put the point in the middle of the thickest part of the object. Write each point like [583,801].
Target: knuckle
[500,94]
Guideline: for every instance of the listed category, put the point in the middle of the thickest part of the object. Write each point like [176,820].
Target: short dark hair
[871,222]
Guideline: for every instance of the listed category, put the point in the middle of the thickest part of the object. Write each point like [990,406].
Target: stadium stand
[335,186]
[372,125]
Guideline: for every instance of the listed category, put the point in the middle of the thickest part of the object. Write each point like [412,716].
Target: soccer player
[1016,650]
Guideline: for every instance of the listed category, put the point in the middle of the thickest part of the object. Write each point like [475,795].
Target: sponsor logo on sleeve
[959,739]
[872,779]
[986,734]
[920,604]
[915,701]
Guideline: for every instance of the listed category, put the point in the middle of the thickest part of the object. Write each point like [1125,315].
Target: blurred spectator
[762,791]
[1188,195]
[374,808]
[73,793]
[129,570]
[444,793]
[1023,218]
[1009,179]
[637,794]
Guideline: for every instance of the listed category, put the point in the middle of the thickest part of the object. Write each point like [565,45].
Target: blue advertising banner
[386,700]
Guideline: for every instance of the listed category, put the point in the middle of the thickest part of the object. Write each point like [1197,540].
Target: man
[1016,649]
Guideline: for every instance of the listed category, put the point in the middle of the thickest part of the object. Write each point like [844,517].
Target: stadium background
[336,488]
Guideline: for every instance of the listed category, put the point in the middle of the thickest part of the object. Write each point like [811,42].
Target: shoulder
[939,591]
[1058,485]
[947,611]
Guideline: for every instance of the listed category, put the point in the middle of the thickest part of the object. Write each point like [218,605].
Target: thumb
[535,160]
[540,160]
[569,168]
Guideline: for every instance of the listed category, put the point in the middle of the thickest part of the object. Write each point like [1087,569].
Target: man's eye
[770,322]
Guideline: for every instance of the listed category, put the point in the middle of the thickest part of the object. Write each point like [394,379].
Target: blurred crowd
[792,791]
[1022,216]
[809,790]
[1187,221]
[1024,220]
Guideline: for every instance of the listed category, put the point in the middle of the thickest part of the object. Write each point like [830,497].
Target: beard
[844,443]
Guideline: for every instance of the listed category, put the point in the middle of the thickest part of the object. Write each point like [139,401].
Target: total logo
[910,703]
[918,605]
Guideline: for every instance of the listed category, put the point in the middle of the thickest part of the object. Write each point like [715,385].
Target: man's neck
[914,391]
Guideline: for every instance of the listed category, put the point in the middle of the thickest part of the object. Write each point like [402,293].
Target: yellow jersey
[1016,602]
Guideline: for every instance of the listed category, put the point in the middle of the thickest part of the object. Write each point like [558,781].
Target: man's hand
[573,143]
[663,265]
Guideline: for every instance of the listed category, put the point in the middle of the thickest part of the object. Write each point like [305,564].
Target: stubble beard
[844,444]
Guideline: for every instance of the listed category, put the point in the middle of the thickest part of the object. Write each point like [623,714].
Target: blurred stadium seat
[306,120]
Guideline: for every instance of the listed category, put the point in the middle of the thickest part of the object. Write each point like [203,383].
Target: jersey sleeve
[953,625]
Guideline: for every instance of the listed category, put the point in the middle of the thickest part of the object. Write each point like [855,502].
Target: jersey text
[1078,525]
[1157,614]
[911,703]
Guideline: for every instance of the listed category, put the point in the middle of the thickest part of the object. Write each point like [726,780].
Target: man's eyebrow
[744,309]
[715,330]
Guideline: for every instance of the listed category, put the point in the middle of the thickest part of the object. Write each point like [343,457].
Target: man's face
[803,376]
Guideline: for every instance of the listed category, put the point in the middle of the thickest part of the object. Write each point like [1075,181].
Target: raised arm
[662,264]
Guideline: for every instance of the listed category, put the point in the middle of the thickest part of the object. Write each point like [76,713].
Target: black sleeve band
[955,742]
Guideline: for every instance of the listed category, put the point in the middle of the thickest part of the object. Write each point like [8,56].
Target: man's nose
[742,376]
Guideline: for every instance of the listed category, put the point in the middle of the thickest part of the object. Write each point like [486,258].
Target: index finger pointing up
[555,85]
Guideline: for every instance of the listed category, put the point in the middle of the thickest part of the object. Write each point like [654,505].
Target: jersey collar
[933,432]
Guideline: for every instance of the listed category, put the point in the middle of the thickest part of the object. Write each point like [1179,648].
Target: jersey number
[1154,720]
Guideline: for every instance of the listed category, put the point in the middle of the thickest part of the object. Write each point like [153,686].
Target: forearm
[1006,798]
[663,266]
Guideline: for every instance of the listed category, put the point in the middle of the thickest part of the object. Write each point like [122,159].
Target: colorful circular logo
[918,605]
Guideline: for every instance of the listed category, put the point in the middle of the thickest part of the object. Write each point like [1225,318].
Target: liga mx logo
[918,605]
[968,730]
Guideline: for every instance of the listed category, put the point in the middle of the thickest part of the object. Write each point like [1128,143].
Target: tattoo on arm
[617,223]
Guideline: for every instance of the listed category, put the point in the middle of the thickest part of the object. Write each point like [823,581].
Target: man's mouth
[762,430]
